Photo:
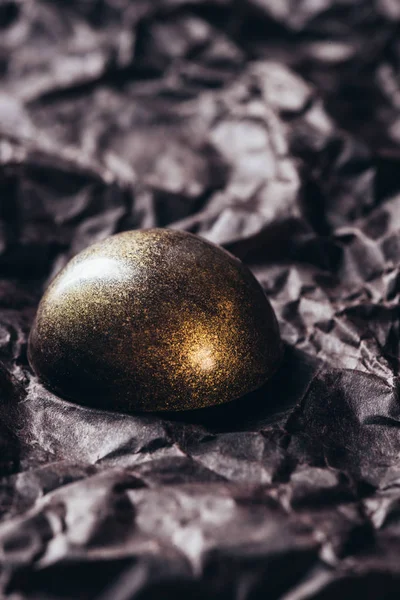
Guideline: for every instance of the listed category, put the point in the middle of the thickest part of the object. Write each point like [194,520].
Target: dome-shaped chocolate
[154,320]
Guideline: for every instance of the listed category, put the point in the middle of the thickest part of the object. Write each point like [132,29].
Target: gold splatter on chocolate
[154,320]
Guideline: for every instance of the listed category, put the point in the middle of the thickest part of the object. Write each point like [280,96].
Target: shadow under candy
[271,403]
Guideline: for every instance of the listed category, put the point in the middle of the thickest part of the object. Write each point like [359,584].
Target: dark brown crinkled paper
[271,127]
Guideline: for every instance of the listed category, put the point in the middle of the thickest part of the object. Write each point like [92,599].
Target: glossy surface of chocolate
[154,320]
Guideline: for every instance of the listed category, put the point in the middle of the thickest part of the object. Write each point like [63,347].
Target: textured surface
[154,320]
[268,126]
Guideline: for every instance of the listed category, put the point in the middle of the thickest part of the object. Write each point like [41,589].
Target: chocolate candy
[154,320]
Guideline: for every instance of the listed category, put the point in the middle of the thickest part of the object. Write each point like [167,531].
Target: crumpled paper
[271,127]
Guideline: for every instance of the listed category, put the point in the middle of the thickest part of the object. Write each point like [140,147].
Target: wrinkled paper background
[271,127]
